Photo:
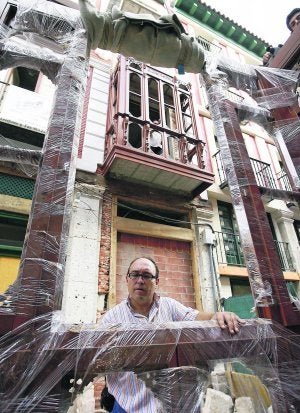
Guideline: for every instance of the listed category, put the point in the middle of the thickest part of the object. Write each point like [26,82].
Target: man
[292,20]
[143,305]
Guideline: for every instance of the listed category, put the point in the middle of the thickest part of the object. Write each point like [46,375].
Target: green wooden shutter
[241,305]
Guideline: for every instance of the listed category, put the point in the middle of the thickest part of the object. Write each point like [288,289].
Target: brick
[165,254]
[105,240]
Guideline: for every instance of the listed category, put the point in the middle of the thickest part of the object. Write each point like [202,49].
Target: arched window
[135,95]
[169,107]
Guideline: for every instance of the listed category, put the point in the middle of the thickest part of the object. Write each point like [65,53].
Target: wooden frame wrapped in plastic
[39,351]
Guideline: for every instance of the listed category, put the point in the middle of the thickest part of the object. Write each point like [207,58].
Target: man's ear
[157,281]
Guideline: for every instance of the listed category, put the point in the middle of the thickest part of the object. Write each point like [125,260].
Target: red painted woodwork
[129,107]
[86,353]
[289,54]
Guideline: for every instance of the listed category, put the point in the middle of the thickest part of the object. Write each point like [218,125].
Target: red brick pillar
[105,244]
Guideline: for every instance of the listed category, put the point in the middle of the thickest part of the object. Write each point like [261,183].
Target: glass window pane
[170,115]
[168,95]
[186,114]
[173,148]
[135,135]
[135,95]
[156,142]
[154,112]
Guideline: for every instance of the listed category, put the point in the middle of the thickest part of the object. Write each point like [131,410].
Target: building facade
[150,178]
[170,201]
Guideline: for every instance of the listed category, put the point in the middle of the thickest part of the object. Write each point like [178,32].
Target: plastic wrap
[178,362]
[255,100]
[41,38]
[182,364]
[286,137]
[264,94]
[25,160]
[23,156]
[50,38]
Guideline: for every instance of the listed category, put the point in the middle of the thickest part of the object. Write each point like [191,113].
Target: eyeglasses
[145,275]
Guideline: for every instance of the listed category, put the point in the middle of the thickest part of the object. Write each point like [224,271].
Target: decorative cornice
[209,17]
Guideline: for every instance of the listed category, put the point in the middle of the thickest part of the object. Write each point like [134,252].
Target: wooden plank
[289,53]
[151,229]
[196,275]
[232,271]
[112,296]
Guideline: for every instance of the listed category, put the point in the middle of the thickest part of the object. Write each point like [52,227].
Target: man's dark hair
[289,16]
[149,259]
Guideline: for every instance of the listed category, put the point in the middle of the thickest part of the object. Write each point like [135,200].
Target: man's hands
[228,320]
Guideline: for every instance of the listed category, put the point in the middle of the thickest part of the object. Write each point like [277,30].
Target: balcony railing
[283,181]
[220,168]
[168,144]
[263,173]
[229,251]
[284,256]
[209,46]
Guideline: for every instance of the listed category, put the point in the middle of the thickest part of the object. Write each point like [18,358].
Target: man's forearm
[204,316]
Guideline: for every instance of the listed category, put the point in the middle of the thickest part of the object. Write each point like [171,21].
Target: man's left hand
[229,320]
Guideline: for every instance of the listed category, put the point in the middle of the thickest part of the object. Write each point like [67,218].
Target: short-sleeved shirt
[129,391]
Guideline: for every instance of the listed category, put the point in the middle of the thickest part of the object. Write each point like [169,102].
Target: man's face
[294,21]
[141,290]
[266,57]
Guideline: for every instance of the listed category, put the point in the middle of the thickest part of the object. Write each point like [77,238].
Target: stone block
[217,402]
[244,405]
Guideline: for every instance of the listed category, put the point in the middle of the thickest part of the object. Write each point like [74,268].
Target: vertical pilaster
[80,297]
[209,278]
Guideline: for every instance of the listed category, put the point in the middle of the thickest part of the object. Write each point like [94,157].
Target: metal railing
[229,251]
[285,258]
[220,169]
[263,173]
[283,180]
[209,46]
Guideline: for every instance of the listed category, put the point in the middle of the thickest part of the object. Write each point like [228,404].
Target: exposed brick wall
[85,111]
[172,257]
[105,244]
[99,383]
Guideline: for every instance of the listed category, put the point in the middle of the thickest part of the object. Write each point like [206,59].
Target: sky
[265,18]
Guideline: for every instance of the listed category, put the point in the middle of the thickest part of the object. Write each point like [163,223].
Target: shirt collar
[156,299]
